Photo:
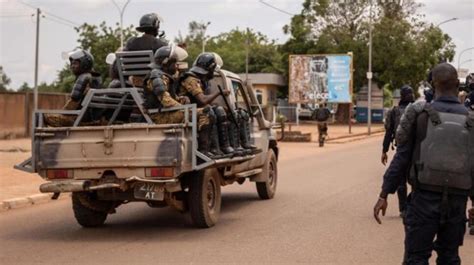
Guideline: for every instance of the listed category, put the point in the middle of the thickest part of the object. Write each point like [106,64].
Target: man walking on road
[391,123]
[433,142]
[322,115]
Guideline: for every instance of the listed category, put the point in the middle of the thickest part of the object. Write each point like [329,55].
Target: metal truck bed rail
[40,133]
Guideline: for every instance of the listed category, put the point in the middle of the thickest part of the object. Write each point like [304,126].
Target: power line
[14,16]
[276,8]
[58,21]
[63,19]
[52,15]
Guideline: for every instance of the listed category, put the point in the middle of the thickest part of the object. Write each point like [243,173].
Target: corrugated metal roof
[266,78]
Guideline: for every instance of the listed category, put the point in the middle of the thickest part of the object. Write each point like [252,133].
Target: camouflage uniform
[191,86]
[158,96]
[82,85]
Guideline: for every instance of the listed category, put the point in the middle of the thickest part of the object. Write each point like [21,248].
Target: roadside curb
[22,202]
[355,138]
[376,132]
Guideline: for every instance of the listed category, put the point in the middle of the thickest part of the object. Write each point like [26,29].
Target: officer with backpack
[435,143]
[391,123]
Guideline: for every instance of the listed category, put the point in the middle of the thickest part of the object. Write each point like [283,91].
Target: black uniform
[391,123]
[428,214]
[144,43]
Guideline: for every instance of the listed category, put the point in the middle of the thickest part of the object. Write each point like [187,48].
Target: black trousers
[402,193]
[431,224]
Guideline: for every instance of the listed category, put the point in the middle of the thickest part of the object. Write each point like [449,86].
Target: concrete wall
[16,110]
[269,93]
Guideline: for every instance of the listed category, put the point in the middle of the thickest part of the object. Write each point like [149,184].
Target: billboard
[320,78]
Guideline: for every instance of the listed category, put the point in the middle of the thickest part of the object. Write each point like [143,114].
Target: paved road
[321,214]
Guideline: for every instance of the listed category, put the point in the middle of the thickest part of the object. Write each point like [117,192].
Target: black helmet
[149,22]
[167,54]
[84,57]
[406,93]
[429,94]
[206,63]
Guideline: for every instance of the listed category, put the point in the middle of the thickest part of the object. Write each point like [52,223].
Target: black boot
[245,138]
[223,129]
[235,141]
[214,143]
[203,141]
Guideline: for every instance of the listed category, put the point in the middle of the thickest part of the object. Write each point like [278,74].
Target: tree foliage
[100,40]
[404,47]
[5,81]
[231,46]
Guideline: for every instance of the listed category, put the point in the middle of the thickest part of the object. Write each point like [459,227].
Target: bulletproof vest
[396,115]
[144,43]
[444,160]
[151,100]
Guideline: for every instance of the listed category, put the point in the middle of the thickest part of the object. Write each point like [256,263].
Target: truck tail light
[58,174]
[159,172]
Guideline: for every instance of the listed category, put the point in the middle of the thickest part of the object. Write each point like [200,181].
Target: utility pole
[369,76]
[38,13]
[247,44]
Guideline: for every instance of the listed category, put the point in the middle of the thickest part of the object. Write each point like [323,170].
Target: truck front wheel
[88,211]
[204,198]
[266,190]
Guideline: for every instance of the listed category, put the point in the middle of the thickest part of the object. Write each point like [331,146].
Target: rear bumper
[171,185]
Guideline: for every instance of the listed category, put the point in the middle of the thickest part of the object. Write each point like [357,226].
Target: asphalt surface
[322,214]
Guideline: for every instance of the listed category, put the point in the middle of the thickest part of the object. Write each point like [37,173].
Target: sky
[17,26]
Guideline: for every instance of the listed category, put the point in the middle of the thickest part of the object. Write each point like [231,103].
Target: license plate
[149,191]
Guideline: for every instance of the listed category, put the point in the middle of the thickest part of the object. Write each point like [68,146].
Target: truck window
[241,101]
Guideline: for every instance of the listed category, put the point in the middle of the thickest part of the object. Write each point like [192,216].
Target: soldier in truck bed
[159,94]
[193,84]
[150,26]
[81,66]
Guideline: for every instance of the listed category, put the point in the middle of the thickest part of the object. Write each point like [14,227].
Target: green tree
[231,46]
[4,81]
[100,40]
[24,87]
[404,47]
[192,42]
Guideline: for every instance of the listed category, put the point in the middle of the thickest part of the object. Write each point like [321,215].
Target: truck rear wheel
[89,212]
[204,198]
[266,190]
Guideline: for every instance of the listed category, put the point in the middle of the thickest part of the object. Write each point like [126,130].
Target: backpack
[322,114]
[445,160]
